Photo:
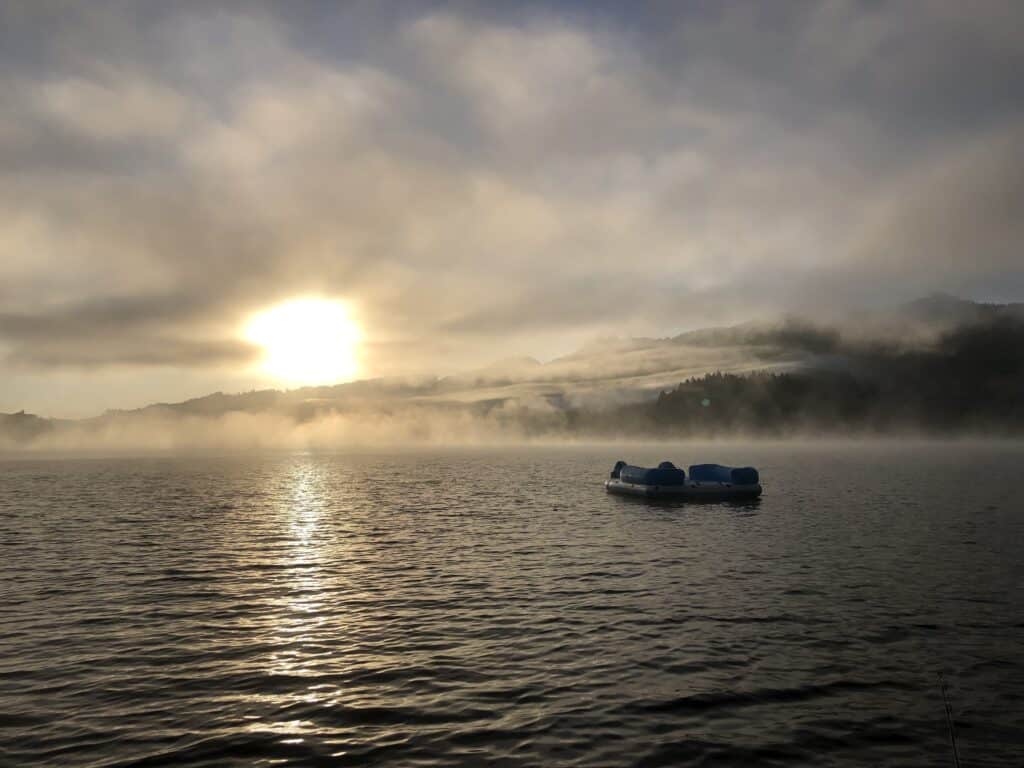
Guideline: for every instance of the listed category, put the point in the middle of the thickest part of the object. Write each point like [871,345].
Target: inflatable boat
[711,482]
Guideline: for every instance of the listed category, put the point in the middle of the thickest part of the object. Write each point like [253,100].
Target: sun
[307,341]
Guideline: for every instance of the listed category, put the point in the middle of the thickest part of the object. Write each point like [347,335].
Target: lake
[496,607]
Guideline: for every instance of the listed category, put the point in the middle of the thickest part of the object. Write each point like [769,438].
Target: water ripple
[496,607]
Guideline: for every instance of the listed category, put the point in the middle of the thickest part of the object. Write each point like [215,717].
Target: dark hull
[689,492]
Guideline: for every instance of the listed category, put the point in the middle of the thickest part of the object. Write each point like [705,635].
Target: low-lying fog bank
[793,379]
[501,427]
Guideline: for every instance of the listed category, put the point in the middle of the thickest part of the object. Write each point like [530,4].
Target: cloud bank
[482,180]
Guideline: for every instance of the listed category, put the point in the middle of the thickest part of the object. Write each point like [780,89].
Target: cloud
[477,180]
[131,351]
[117,110]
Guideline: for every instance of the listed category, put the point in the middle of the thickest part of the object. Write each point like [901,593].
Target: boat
[712,482]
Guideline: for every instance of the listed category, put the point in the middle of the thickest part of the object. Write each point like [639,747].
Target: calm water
[497,608]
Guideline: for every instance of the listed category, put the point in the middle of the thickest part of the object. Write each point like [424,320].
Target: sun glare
[307,341]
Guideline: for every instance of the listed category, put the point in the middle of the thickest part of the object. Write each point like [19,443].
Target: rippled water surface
[497,608]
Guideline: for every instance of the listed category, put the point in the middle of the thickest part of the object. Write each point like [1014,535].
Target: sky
[481,181]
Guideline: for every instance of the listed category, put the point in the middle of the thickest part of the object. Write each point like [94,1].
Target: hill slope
[939,364]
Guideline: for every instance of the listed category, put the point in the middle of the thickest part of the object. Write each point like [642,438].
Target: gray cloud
[126,350]
[476,178]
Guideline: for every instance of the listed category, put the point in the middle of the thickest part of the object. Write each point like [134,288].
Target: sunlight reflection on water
[450,608]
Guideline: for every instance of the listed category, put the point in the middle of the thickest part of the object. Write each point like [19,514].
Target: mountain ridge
[603,378]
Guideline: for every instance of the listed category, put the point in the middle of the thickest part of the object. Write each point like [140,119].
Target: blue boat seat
[717,473]
[665,473]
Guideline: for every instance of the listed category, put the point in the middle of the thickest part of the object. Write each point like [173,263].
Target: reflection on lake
[473,607]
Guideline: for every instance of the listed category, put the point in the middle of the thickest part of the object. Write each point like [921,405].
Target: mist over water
[467,607]
[959,375]
[323,323]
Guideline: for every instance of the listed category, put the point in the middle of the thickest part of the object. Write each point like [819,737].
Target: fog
[937,368]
